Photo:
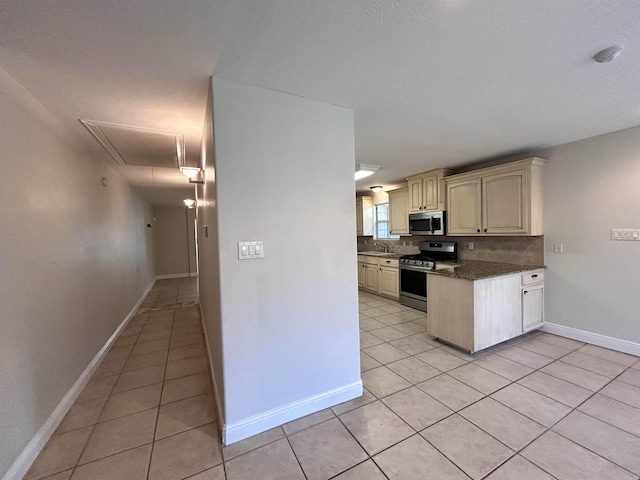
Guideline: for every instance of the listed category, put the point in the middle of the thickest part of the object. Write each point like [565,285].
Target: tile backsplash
[516,250]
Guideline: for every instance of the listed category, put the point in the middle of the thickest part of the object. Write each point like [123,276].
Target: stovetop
[418,260]
[418,256]
[430,253]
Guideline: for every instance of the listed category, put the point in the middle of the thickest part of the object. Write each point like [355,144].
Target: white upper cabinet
[464,213]
[399,211]
[364,216]
[427,190]
[501,200]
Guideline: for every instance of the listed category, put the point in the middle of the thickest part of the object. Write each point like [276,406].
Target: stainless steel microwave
[427,223]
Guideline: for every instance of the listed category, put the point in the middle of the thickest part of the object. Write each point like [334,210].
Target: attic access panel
[139,146]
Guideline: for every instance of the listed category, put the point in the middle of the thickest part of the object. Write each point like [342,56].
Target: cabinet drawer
[388,262]
[370,260]
[533,277]
[361,258]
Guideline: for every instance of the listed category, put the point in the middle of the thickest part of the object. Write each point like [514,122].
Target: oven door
[413,282]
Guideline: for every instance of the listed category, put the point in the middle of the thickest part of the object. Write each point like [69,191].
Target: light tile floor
[537,407]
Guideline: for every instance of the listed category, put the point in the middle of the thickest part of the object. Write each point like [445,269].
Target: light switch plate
[250,250]
[625,234]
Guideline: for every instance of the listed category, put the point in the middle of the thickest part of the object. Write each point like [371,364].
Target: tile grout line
[93,427]
[517,452]
[603,421]
[155,428]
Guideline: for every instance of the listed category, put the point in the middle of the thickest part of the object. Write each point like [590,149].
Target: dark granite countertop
[478,270]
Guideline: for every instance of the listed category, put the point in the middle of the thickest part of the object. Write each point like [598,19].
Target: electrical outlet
[470,245]
[557,248]
[625,234]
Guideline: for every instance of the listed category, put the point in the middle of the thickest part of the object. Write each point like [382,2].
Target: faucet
[386,247]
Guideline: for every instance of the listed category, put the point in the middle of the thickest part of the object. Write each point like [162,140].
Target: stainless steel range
[414,268]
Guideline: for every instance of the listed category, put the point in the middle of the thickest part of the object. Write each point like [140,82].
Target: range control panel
[250,250]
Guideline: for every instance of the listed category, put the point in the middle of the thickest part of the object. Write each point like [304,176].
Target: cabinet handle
[478,230]
[525,292]
[485,230]
[534,276]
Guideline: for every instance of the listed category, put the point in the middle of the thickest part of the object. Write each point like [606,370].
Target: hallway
[537,407]
[148,410]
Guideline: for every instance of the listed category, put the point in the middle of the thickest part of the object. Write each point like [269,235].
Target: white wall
[74,259]
[289,321]
[173,240]
[592,186]
[209,255]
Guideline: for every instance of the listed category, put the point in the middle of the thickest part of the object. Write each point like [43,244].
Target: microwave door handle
[432,223]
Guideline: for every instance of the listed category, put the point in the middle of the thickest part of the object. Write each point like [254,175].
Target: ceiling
[432,83]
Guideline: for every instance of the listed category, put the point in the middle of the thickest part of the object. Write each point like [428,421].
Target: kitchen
[420,85]
[480,289]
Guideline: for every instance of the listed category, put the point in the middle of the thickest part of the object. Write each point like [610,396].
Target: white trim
[37,443]
[612,343]
[216,392]
[176,275]
[264,421]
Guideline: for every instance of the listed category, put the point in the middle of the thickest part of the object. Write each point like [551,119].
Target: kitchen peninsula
[475,305]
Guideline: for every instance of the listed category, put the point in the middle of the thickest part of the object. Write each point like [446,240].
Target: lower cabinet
[362,273]
[388,283]
[477,314]
[379,275]
[532,300]
[371,278]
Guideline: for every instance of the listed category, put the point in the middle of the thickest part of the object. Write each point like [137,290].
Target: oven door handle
[413,269]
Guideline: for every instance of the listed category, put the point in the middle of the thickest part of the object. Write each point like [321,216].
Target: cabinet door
[464,207]
[430,193]
[415,195]
[364,216]
[399,212]
[361,274]
[359,216]
[389,284]
[532,307]
[371,278]
[504,203]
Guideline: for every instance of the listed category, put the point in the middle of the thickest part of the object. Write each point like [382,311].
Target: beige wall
[281,344]
[590,187]
[209,256]
[74,259]
[173,239]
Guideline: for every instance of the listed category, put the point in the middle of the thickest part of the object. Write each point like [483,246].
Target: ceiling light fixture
[195,175]
[608,54]
[363,170]
[190,172]
[189,202]
[376,189]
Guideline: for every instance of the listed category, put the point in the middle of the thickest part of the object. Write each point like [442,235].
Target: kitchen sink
[377,254]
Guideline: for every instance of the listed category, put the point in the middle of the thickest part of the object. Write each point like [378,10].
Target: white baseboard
[612,343]
[259,423]
[175,275]
[37,443]
[216,392]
